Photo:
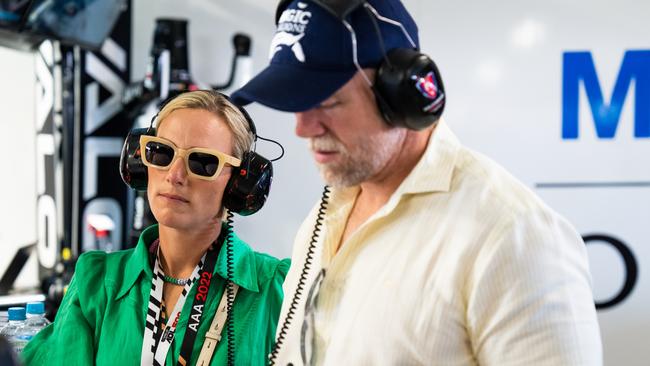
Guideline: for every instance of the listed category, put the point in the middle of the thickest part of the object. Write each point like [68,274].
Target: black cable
[230,292]
[242,45]
[303,277]
[275,142]
[231,77]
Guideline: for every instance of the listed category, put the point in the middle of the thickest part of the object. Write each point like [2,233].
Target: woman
[114,312]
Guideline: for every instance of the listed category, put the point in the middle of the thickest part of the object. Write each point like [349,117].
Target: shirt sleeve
[71,339]
[529,296]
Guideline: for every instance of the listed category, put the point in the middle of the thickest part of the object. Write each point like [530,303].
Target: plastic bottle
[15,327]
[4,319]
[35,320]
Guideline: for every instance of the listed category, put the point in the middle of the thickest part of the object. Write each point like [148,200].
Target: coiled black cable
[303,277]
[230,292]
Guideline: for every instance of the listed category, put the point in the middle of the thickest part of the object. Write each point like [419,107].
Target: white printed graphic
[287,39]
[291,28]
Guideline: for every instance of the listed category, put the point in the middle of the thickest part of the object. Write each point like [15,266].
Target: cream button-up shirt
[463,265]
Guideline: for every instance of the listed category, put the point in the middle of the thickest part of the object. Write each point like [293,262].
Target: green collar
[244,271]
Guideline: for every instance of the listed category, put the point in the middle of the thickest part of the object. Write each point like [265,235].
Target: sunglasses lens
[203,164]
[159,154]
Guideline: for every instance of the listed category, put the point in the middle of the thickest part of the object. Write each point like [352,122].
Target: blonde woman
[155,303]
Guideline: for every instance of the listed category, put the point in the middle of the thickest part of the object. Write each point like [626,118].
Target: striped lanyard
[156,342]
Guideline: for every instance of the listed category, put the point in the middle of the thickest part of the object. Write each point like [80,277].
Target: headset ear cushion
[384,108]
[132,169]
[249,185]
[411,86]
[387,82]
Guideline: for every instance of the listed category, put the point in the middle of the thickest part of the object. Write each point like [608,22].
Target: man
[425,253]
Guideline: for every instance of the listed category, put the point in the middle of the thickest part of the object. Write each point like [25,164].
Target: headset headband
[247,117]
[339,8]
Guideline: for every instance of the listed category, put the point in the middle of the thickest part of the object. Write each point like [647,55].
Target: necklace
[176,281]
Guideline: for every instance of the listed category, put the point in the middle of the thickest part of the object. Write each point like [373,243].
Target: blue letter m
[580,66]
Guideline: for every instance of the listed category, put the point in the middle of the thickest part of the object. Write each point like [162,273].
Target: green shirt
[102,317]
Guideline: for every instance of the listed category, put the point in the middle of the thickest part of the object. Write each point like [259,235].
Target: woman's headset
[408,86]
[247,188]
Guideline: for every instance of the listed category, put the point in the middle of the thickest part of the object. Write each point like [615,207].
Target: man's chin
[339,179]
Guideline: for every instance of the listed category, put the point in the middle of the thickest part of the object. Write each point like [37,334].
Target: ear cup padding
[132,169]
[249,185]
[410,89]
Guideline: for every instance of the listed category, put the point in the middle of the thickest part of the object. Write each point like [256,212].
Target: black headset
[247,188]
[408,87]
[409,90]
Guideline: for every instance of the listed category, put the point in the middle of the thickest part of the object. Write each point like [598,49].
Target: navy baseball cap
[312,54]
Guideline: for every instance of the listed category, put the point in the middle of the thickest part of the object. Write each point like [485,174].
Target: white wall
[17,182]
[502,64]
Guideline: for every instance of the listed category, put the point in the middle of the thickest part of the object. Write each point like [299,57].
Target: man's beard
[358,163]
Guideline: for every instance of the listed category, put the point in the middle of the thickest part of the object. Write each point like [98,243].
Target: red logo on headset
[426,85]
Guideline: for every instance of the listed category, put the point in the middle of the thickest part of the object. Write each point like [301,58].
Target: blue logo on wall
[579,66]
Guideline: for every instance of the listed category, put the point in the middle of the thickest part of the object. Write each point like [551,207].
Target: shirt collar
[244,269]
[434,171]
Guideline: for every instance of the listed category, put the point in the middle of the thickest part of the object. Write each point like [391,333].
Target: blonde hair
[220,106]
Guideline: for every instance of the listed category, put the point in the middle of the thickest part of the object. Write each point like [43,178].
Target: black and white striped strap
[156,345]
